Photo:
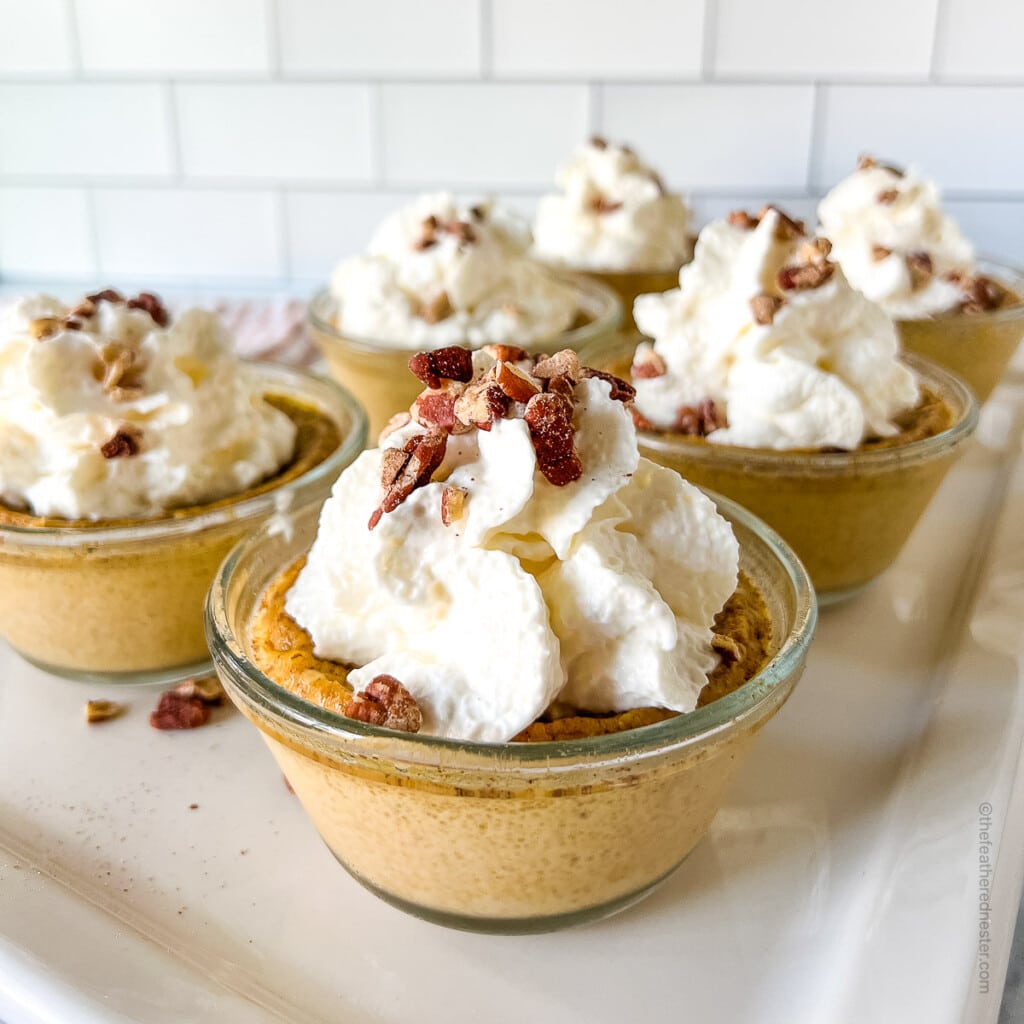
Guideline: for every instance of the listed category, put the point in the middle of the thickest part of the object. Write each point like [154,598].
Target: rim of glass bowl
[811,461]
[325,394]
[599,301]
[684,730]
[1006,274]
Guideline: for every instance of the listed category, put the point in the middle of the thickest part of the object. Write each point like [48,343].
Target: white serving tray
[839,883]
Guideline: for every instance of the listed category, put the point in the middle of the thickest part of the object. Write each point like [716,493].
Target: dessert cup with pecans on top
[438,273]
[135,450]
[513,669]
[897,245]
[614,221]
[772,381]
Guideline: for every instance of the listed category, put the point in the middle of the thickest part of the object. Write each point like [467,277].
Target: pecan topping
[462,230]
[742,219]
[386,702]
[107,295]
[478,212]
[640,421]
[788,228]
[103,710]
[123,444]
[453,504]
[425,242]
[517,385]
[888,196]
[121,369]
[647,364]
[44,327]
[481,404]
[598,142]
[177,711]
[403,470]
[879,253]
[399,420]
[437,409]
[814,250]
[437,309]
[763,307]
[981,293]
[865,163]
[84,310]
[152,305]
[451,363]
[549,418]
[599,204]
[621,391]
[507,353]
[919,266]
[728,647]
[700,420]
[206,688]
[562,364]
[802,276]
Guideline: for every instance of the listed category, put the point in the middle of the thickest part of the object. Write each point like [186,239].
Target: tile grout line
[174,132]
[485,41]
[938,38]
[75,34]
[709,41]
[595,108]
[378,147]
[272,12]
[815,152]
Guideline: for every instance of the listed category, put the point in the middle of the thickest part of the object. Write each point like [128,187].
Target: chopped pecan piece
[814,250]
[700,420]
[600,205]
[44,327]
[742,219]
[424,242]
[763,307]
[73,325]
[437,309]
[177,711]
[640,421]
[879,253]
[408,468]
[462,230]
[451,363]
[562,364]
[801,276]
[621,391]
[103,710]
[549,418]
[920,268]
[206,688]
[123,444]
[517,385]
[712,415]
[107,295]
[437,409]
[478,212]
[386,702]
[982,293]
[481,404]
[120,367]
[507,353]
[598,142]
[85,309]
[866,163]
[788,227]
[647,365]
[888,196]
[151,304]
[728,647]
[453,504]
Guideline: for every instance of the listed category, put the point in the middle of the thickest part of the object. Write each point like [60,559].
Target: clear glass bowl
[378,374]
[846,514]
[123,602]
[977,347]
[509,837]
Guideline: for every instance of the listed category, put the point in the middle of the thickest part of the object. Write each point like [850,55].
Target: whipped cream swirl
[894,241]
[613,214]
[519,552]
[111,410]
[765,345]
[438,273]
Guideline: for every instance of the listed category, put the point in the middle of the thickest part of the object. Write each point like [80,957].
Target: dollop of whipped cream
[112,410]
[518,552]
[613,214]
[765,345]
[894,241]
[439,273]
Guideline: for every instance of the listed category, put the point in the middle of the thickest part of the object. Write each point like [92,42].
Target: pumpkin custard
[512,671]
[136,449]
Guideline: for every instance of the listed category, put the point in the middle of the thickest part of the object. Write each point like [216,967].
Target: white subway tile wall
[231,143]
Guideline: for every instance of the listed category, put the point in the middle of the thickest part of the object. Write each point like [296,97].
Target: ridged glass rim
[353,441]
[607,317]
[809,461]
[1006,274]
[683,730]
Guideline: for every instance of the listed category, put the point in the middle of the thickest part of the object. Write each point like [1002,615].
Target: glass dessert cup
[509,837]
[122,602]
[846,514]
[378,374]
[977,347]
